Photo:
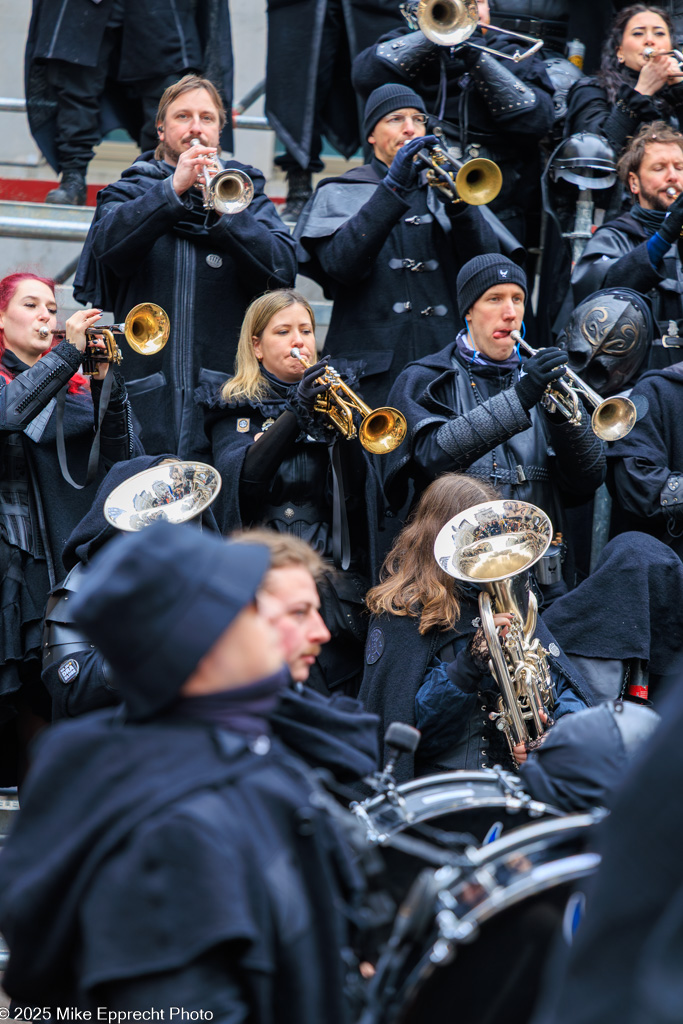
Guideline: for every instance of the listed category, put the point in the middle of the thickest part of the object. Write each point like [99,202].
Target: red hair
[8,286]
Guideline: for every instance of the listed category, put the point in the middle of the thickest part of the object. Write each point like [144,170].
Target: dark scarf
[650,220]
[13,363]
[246,709]
[474,358]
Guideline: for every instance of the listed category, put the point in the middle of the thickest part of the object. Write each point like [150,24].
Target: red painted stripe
[18,191]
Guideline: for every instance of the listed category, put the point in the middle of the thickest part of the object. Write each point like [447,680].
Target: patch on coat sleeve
[374,647]
[68,670]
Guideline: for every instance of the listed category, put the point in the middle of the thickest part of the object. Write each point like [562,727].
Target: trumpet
[227,191]
[452,22]
[381,430]
[612,418]
[649,52]
[146,329]
[476,182]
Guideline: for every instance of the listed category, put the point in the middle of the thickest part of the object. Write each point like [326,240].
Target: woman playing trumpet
[38,506]
[283,467]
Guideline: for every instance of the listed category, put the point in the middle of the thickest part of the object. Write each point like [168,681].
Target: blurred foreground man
[177,855]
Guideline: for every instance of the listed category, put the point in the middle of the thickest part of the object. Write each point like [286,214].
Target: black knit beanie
[482,273]
[385,99]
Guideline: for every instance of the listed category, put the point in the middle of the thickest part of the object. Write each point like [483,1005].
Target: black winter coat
[569,462]
[589,109]
[647,464]
[234,831]
[306,34]
[390,264]
[617,256]
[158,39]
[146,244]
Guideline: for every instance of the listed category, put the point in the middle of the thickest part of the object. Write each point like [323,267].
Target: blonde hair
[285,550]
[248,382]
[412,581]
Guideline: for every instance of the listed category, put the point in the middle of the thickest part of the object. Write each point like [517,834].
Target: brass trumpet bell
[146,328]
[479,181]
[382,430]
[447,22]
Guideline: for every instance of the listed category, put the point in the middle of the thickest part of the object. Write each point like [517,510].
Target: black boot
[71,190]
[299,189]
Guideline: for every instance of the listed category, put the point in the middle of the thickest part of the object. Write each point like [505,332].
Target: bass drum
[470,942]
[449,811]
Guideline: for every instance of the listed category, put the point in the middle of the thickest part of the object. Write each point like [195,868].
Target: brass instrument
[227,191]
[173,491]
[476,182]
[381,430]
[612,418]
[493,545]
[452,22]
[146,329]
[649,52]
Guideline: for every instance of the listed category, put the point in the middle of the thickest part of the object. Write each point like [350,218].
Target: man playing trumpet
[387,249]
[152,239]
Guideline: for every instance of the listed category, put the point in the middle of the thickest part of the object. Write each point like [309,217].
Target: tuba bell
[381,430]
[493,545]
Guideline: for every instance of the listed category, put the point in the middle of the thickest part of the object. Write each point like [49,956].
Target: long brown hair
[248,382]
[412,582]
[610,75]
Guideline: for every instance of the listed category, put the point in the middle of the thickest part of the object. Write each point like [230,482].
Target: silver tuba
[493,545]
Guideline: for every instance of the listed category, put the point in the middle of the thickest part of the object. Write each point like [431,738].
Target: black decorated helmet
[607,337]
[562,74]
[584,159]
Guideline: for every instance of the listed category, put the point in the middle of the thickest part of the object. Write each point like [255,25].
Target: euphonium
[146,329]
[452,22]
[493,545]
[228,190]
[381,430]
[173,491]
[612,418]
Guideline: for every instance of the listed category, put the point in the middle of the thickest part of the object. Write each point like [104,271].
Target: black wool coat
[158,39]
[255,928]
[146,244]
[306,34]
[390,264]
[643,462]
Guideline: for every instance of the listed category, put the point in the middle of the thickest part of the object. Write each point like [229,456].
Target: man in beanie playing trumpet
[475,407]
[387,248]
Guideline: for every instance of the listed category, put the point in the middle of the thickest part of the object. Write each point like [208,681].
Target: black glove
[309,387]
[403,172]
[542,369]
[670,228]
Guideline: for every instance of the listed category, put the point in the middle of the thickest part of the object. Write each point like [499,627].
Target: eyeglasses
[396,120]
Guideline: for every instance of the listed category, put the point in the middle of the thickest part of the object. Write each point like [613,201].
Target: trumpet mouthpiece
[295,353]
[43,331]
[671,191]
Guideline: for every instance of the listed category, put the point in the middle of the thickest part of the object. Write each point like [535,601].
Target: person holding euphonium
[45,405]
[285,466]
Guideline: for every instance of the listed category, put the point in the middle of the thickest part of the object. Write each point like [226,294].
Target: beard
[655,200]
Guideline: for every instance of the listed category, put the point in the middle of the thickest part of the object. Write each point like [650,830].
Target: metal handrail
[16,106]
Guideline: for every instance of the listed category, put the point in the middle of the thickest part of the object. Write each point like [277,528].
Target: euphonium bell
[493,545]
[381,430]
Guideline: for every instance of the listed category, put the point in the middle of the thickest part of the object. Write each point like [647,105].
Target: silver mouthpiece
[648,51]
[671,191]
[295,353]
[44,331]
